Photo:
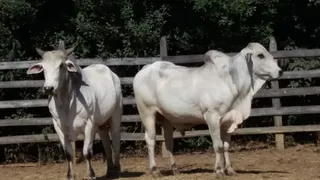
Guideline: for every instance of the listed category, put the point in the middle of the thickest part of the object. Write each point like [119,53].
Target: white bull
[218,94]
[83,101]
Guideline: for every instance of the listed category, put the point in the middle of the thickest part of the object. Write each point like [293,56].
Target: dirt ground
[298,163]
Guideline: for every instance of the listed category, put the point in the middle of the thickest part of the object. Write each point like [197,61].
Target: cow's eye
[61,65]
[261,56]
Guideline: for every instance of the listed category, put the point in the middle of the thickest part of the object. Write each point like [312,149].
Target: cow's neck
[66,93]
[243,79]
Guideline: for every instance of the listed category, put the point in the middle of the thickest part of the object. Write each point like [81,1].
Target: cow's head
[261,62]
[55,65]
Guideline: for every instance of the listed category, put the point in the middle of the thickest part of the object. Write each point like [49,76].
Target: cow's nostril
[48,89]
[280,73]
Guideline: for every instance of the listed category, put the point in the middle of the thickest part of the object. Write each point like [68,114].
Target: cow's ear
[71,67]
[249,58]
[35,69]
[250,67]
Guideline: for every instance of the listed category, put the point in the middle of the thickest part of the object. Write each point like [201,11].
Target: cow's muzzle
[280,73]
[48,89]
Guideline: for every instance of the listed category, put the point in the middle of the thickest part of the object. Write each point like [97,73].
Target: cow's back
[99,87]
[145,84]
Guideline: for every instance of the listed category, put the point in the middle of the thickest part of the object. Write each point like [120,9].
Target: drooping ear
[249,58]
[35,69]
[67,52]
[250,67]
[71,67]
[40,52]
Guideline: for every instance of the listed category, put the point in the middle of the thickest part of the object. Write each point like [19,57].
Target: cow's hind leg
[213,121]
[149,121]
[168,136]
[226,138]
[87,149]
[116,137]
[105,138]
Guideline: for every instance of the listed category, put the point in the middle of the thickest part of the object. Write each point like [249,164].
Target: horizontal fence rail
[38,138]
[266,93]
[129,80]
[255,112]
[147,60]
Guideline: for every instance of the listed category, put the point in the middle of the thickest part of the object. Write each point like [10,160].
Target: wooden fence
[275,93]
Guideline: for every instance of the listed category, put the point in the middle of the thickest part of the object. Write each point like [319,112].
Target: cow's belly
[181,113]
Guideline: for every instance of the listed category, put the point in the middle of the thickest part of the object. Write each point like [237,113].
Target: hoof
[113,173]
[220,173]
[175,170]
[90,178]
[231,172]
[155,173]
[71,177]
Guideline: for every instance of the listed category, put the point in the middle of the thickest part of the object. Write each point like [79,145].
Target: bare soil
[298,163]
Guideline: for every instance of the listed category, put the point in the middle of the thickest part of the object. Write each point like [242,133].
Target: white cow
[218,94]
[82,101]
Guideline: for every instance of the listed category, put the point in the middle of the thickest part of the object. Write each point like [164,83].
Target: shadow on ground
[202,170]
[124,174]
[205,170]
[259,172]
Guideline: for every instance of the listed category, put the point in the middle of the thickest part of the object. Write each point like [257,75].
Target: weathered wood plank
[265,93]
[39,83]
[283,92]
[292,110]
[301,74]
[38,138]
[279,138]
[86,62]
[43,103]
[148,60]
[48,121]
[255,131]
[127,101]
[129,80]
[136,118]
[198,58]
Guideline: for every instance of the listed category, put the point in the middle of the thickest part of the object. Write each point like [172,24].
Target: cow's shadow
[187,170]
[204,170]
[124,174]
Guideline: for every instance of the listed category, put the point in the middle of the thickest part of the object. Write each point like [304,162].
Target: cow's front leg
[87,149]
[213,121]
[226,138]
[69,156]
[68,150]
[229,124]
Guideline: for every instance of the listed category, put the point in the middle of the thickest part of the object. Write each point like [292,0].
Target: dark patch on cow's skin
[68,156]
[88,156]
[163,67]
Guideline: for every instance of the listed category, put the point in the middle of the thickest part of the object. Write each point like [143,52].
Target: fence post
[276,101]
[163,53]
